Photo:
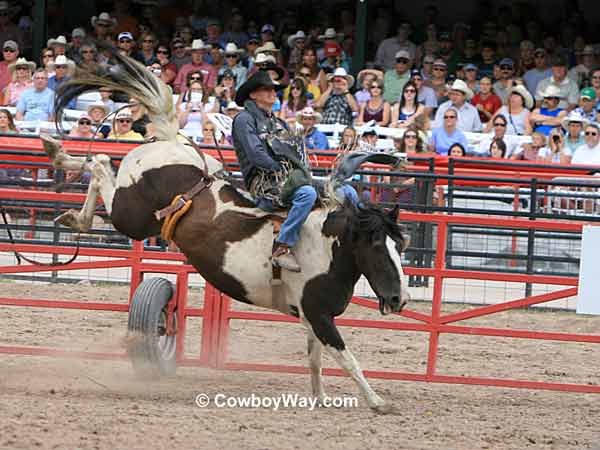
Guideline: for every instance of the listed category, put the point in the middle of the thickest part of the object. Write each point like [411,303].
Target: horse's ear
[393,213]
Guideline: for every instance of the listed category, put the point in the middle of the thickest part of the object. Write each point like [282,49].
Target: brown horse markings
[228,240]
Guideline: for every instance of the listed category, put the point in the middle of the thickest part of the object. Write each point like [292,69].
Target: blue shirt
[54,83]
[444,141]
[316,140]
[36,105]
[546,129]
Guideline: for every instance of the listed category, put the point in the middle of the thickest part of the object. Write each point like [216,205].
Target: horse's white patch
[395,255]
[249,261]
[159,154]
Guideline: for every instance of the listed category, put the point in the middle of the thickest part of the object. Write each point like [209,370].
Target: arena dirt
[65,403]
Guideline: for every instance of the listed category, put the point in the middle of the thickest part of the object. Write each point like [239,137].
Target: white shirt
[569,91]
[585,155]
[512,144]
[468,117]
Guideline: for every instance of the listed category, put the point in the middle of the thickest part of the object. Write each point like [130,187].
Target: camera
[556,138]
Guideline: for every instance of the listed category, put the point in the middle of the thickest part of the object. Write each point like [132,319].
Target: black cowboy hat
[258,80]
[275,68]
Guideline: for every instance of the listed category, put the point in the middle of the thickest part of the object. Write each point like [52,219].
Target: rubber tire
[147,313]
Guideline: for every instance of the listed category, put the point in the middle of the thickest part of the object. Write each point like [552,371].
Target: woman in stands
[498,148]
[317,75]
[297,101]
[457,150]
[443,137]
[89,58]
[47,59]
[557,151]
[411,142]
[408,109]
[168,69]
[22,73]
[376,109]
[194,104]
[348,140]
[7,123]
[225,89]
[146,55]
[516,111]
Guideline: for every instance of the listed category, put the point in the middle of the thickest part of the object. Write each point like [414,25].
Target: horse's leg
[61,159]
[328,334]
[102,182]
[315,352]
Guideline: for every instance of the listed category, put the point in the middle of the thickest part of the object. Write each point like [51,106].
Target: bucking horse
[225,237]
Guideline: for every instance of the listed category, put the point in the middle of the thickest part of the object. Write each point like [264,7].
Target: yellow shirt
[314,90]
[129,136]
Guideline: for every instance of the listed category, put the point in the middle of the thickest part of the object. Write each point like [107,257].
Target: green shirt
[394,83]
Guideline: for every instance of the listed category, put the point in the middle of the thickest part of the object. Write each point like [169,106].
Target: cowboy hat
[521,90]
[198,44]
[20,63]
[341,72]
[60,40]
[233,105]
[12,10]
[378,74]
[309,112]
[330,33]
[461,86]
[99,105]
[232,49]
[275,68]
[258,80]
[291,40]
[62,60]
[551,91]
[105,19]
[266,47]
[264,58]
[125,113]
[573,116]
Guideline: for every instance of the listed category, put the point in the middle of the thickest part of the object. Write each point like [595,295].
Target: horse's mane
[372,219]
[132,78]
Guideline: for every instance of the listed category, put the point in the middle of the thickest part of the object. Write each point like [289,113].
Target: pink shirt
[14,91]
[208,72]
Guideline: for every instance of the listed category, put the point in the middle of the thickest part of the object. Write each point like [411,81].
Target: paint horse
[227,239]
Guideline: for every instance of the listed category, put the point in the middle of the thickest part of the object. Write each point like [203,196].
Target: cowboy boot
[284,257]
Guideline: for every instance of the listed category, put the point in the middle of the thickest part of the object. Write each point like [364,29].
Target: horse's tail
[132,78]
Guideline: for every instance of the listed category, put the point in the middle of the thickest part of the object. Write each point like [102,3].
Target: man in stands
[125,43]
[541,70]
[179,57]
[10,53]
[502,86]
[313,138]
[568,90]
[549,115]
[589,153]
[587,105]
[37,103]
[425,94]
[209,72]
[9,31]
[395,79]
[389,48]
[447,52]
[468,116]
[581,72]
[337,103]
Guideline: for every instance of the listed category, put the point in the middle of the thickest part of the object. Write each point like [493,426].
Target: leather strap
[183,199]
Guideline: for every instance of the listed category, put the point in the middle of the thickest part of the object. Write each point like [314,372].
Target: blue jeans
[347,191]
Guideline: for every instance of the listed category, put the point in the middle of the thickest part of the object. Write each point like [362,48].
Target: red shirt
[490,104]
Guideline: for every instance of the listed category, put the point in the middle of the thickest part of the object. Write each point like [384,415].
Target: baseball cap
[11,44]
[507,62]
[470,66]
[125,35]
[439,62]
[267,28]
[588,93]
[254,38]
[539,51]
[78,32]
[212,22]
[332,49]
[402,54]
[415,73]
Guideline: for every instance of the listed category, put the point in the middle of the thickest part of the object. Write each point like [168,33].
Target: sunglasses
[413,91]
[125,120]
[506,67]
[591,133]
[402,61]
[125,41]
[596,78]
[230,56]
[84,122]
[195,78]
[150,41]
[500,124]
[60,67]
[449,117]
[48,56]
[10,50]
[552,98]
[102,25]
[207,129]
[178,47]
[87,51]
[375,87]
[410,136]
[439,69]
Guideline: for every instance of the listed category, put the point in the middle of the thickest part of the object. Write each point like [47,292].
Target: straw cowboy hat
[60,40]
[309,112]
[291,40]
[20,63]
[264,58]
[267,47]
[551,91]
[198,44]
[461,86]
[523,92]
[11,9]
[232,49]
[258,80]
[330,33]
[233,105]
[341,72]
[98,105]
[62,60]
[104,18]
[574,116]
[125,113]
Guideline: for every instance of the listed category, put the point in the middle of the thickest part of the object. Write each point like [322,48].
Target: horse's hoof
[386,408]
[51,146]
[69,219]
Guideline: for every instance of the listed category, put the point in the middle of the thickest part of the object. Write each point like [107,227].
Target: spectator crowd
[528,93]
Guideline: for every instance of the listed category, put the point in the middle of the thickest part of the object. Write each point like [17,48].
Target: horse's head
[378,243]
